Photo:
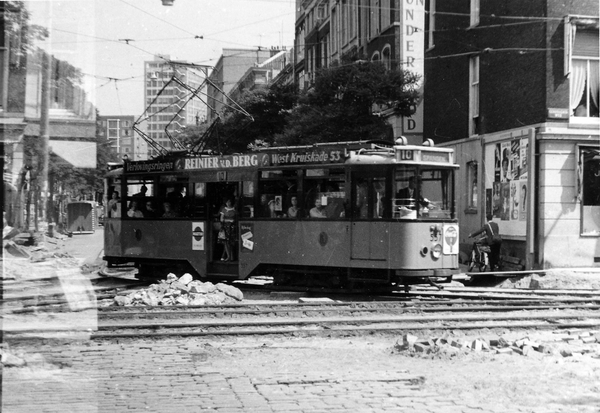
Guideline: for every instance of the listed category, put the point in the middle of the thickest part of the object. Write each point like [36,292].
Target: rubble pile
[567,344]
[181,291]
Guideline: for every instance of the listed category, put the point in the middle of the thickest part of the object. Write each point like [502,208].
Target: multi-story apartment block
[119,135]
[513,86]
[262,75]
[167,102]
[230,68]
[390,31]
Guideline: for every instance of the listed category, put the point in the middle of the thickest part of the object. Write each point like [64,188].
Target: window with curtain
[585,75]
[473,95]
[472,195]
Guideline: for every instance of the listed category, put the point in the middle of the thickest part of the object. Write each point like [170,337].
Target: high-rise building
[169,104]
[119,135]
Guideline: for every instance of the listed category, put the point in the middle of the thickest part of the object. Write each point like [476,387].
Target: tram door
[218,193]
[370,237]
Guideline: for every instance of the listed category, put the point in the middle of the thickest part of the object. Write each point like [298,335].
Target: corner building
[513,86]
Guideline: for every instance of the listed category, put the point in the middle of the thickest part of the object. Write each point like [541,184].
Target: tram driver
[407,196]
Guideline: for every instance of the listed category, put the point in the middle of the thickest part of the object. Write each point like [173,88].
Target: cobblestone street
[286,375]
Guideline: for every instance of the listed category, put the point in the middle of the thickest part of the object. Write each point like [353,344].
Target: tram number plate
[405,155]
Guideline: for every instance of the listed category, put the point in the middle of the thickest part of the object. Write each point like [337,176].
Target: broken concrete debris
[500,345]
[181,291]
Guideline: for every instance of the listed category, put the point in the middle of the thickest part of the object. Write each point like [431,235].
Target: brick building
[513,86]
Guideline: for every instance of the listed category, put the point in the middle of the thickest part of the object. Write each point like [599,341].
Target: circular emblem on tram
[197,233]
[451,236]
[323,238]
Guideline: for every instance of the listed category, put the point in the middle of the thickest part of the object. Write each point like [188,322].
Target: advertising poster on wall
[523,159]
[515,191]
[523,202]
[515,156]
[505,201]
[497,199]
[497,162]
[505,173]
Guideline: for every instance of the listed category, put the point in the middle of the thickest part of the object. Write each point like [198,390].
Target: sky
[109,40]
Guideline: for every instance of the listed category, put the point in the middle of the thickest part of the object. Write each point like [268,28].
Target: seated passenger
[295,211]
[151,212]
[169,211]
[318,211]
[134,211]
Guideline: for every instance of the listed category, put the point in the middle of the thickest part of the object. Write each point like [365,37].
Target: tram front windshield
[423,193]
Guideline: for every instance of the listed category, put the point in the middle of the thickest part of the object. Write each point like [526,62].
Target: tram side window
[406,190]
[138,195]
[175,200]
[437,186]
[325,193]
[276,188]
[247,199]
[197,204]
[370,198]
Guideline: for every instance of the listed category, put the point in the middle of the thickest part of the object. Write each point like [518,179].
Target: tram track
[283,323]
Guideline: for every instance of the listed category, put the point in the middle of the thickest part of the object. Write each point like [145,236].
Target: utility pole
[42,181]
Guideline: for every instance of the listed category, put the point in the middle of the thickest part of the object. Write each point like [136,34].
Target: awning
[80,154]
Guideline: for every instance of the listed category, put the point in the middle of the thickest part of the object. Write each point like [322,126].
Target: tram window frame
[247,199]
[132,189]
[334,202]
[370,189]
[276,187]
[442,205]
[170,188]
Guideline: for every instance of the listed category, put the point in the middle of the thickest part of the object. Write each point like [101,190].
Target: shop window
[589,190]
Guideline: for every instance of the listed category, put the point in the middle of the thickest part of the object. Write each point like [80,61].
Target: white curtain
[578,76]
[594,81]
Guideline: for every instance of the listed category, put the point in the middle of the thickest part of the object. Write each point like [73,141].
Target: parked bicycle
[479,255]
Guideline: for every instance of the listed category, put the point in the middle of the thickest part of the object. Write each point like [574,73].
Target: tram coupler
[434,284]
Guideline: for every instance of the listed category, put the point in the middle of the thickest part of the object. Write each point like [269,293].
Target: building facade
[41,97]
[390,31]
[513,87]
[232,67]
[169,104]
[117,132]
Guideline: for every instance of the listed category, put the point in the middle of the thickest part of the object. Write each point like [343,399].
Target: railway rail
[421,308]
[341,318]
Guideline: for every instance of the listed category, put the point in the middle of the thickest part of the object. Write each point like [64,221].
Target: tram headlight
[436,251]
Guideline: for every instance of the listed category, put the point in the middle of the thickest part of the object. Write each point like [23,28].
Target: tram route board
[266,159]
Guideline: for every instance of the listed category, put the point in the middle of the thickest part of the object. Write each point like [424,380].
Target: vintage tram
[325,214]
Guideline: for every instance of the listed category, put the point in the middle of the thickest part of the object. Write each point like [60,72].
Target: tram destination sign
[306,157]
[149,166]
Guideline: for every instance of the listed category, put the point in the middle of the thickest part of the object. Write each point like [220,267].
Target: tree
[340,105]
[270,109]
